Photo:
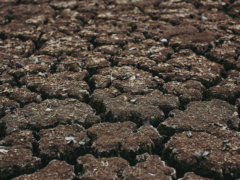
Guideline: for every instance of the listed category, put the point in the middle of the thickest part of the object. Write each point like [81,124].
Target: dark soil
[124,89]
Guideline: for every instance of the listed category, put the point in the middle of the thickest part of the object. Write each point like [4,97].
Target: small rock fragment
[189,134]
[197,154]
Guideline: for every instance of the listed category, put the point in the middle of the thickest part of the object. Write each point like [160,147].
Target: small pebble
[132,78]
[19,47]
[70,139]
[3,151]
[189,134]
[82,142]
[36,61]
[197,154]
[18,65]
[26,115]
[48,110]
[39,98]
[204,18]
[205,153]
[226,144]
[151,174]
[42,74]
[151,51]
[133,101]
[133,48]
[225,141]
[112,78]
[164,40]
[82,64]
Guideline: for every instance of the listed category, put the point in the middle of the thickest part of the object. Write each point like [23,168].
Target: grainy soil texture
[119,89]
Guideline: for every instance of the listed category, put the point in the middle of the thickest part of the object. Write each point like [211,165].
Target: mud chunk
[18,47]
[134,108]
[69,63]
[197,41]
[16,160]
[63,142]
[128,79]
[7,105]
[119,110]
[23,11]
[131,60]
[6,78]
[202,116]
[23,139]
[100,81]
[17,29]
[187,65]
[31,65]
[64,84]
[97,60]
[54,170]
[114,39]
[227,54]
[21,95]
[218,164]
[229,88]
[137,108]
[63,5]
[152,168]
[192,176]
[101,168]
[147,48]
[124,138]
[37,20]
[109,49]
[48,114]
[68,45]
[97,97]
[168,11]
[187,91]
[165,102]
[234,9]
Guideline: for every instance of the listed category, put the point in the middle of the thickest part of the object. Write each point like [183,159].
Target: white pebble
[132,78]
[133,101]
[42,74]
[70,139]
[82,142]
[19,47]
[3,151]
[189,134]
[48,110]
[205,153]
[133,48]
[151,174]
[197,154]
[164,40]
[36,61]
[204,18]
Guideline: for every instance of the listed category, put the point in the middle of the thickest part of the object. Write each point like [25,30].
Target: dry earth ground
[119,89]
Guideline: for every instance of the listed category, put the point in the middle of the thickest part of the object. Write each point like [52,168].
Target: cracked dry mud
[120,89]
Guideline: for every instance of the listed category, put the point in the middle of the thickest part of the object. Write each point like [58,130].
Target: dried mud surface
[120,89]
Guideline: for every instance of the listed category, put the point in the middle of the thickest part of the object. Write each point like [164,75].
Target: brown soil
[124,89]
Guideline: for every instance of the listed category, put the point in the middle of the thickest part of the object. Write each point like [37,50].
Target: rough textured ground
[120,89]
